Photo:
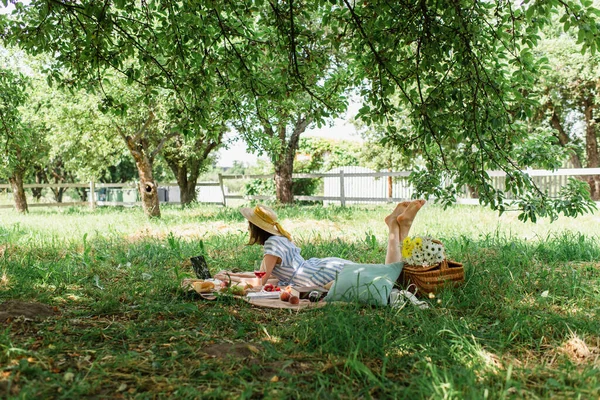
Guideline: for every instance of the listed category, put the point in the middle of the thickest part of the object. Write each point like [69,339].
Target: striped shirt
[295,270]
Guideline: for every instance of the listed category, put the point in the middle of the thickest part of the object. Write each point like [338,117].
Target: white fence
[339,187]
[119,194]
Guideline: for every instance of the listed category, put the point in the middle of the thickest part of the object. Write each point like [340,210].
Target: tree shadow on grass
[127,295]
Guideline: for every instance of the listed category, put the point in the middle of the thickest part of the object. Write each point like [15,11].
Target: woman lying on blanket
[282,259]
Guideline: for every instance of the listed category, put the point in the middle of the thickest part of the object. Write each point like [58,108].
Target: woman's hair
[257,235]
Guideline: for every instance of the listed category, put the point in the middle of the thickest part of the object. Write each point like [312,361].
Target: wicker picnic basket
[432,278]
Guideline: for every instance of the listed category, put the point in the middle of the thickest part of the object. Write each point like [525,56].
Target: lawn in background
[524,324]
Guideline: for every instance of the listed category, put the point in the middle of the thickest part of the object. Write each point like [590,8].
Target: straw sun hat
[266,219]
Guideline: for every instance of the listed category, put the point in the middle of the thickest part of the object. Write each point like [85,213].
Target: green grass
[524,325]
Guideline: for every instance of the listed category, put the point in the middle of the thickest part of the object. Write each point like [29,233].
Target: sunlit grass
[306,222]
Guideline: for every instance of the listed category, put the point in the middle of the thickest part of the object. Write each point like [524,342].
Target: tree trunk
[60,176]
[283,182]
[187,169]
[147,185]
[40,177]
[143,161]
[82,193]
[472,192]
[148,189]
[58,194]
[284,166]
[187,185]
[188,193]
[186,181]
[591,147]
[564,139]
[16,182]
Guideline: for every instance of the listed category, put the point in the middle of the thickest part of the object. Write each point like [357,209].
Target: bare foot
[400,208]
[407,217]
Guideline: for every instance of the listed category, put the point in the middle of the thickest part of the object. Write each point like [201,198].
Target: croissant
[203,287]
